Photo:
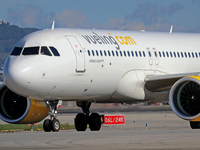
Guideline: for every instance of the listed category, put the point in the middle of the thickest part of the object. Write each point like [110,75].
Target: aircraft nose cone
[17,75]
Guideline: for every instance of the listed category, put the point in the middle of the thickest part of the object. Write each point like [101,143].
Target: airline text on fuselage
[97,39]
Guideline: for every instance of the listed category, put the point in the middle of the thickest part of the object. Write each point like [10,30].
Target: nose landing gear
[83,119]
[52,124]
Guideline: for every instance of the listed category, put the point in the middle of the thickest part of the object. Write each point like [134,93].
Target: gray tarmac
[165,131]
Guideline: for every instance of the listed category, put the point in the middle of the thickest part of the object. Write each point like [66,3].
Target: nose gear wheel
[52,124]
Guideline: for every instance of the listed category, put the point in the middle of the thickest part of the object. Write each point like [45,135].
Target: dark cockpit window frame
[16,51]
[31,50]
[45,51]
[54,51]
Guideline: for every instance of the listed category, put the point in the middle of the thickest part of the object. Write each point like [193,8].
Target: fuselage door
[156,56]
[79,53]
[150,56]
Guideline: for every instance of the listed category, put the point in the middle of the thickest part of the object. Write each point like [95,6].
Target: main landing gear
[52,124]
[83,119]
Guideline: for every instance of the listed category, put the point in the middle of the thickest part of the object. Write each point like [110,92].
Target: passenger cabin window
[144,54]
[45,51]
[160,54]
[167,54]
[136,54]
[113,53]
[163,54]
[105,53]
[31,51]
[54,50]
[121,53]
[101,53]
[174,54]
[97,53]
[125,53]
[149,53]
[132,53]
[192,54]
[178,54]
[171,54]
[182,54]
[16,51]
[140,54]
[93,53]
[155,54]
[109,53]
[185,54]
[189,54]
[196,55]
[117,53]
[88,52]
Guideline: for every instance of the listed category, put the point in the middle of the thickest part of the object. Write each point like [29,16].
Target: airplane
[89,66]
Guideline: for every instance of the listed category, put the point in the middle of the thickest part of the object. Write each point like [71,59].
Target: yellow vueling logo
[102,39]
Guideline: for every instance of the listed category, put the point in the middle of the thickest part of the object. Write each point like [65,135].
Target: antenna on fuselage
[171,29]
[52,27]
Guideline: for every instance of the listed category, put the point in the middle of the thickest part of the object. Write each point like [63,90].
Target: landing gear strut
[52,124]
[83,119]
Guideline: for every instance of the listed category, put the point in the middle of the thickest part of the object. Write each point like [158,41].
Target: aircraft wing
[158,83]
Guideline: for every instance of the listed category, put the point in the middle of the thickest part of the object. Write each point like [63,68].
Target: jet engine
[17,109]
[185,98]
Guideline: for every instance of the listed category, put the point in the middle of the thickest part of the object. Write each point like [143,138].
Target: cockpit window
[54,50]
[16,51]
[45,51]
[31,51]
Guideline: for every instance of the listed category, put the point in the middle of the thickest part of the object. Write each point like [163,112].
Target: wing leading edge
[159,83]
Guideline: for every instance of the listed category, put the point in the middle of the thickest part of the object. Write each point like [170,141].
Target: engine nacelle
[185,98]
[17,109]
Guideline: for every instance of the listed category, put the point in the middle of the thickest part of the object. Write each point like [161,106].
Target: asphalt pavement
[164,131]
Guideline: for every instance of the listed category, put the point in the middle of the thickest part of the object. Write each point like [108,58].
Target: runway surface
[165,131]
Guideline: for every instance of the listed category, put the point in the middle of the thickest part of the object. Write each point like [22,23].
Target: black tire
[80,122]
[47,125]
[95,122]
[55,125]
[195,124]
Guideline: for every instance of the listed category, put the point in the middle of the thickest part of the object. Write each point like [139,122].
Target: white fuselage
[92,63]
